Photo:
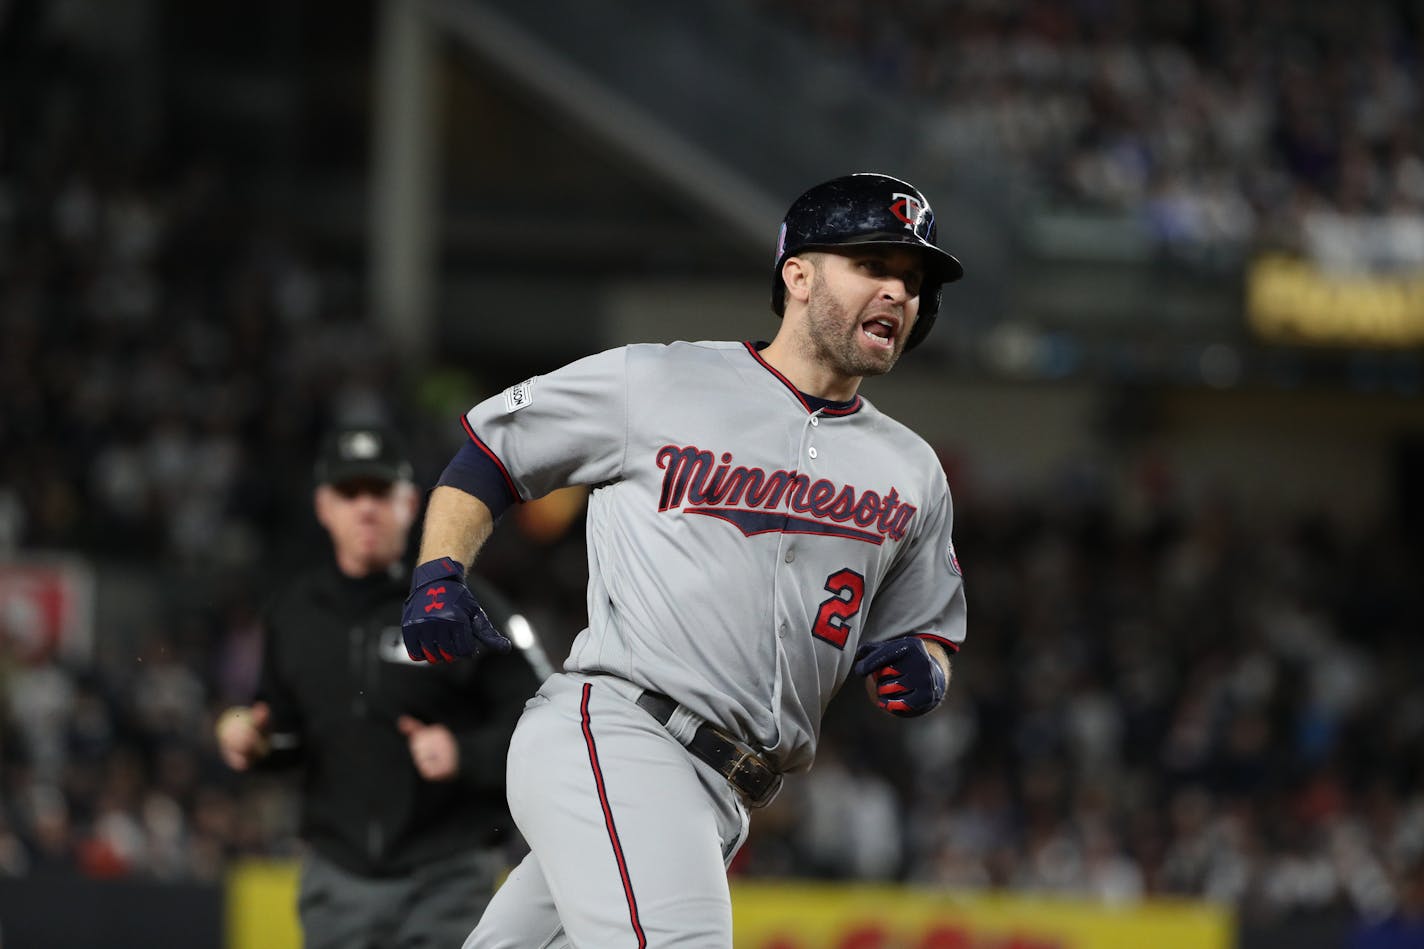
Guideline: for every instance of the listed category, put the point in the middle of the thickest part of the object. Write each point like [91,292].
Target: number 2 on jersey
[847,589]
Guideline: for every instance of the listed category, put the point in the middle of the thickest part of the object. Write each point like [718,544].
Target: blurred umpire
[403,800]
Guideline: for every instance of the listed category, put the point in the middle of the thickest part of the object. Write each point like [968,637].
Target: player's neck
[809,375]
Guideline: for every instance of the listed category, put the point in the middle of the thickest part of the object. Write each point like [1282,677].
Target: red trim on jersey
[508,481]
[953,647]
[848,410]
[608,819]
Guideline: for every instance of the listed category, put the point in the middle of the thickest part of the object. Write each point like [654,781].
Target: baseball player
[757,532]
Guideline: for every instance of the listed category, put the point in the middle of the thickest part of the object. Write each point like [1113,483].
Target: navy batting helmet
[866,208]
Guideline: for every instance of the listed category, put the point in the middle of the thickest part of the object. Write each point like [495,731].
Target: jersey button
[790,556]
[815,420]
[812,452]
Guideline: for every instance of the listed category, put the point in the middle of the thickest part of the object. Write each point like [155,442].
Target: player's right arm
[567,427]
[442,621]
[457,525]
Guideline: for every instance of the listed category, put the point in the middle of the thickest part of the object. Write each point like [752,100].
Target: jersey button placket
[788,552]
[815,422]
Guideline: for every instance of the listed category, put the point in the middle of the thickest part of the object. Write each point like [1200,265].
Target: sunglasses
[356,487]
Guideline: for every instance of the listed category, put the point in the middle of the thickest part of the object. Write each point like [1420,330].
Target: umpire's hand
[242,734]
[442,620]
[433,749]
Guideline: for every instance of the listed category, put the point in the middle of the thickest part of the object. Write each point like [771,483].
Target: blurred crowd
[1167,698]
[1193,703]
[170,357]
[1218,123]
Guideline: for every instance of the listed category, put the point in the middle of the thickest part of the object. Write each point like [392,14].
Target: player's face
[862,307]
[368,520]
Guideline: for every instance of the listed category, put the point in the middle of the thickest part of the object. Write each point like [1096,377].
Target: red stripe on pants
[608,820]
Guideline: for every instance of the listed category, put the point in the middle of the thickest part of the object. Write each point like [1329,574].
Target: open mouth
[880,331]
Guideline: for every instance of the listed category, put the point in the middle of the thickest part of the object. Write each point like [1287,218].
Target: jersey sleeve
[923,595]
[567,427]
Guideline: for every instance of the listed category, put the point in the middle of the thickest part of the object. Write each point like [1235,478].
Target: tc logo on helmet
[911,210]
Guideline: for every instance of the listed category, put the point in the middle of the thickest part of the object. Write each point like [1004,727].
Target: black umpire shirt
[336,676]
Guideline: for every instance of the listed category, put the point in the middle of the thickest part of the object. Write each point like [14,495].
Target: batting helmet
[866,208]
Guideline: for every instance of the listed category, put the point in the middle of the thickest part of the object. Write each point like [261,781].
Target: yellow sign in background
[261,914]
[806,916]
[262,905]
[1294,302]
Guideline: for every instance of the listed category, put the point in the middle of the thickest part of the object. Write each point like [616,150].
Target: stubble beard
[835,338]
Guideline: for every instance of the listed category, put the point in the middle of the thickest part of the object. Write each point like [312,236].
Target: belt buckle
[740,768]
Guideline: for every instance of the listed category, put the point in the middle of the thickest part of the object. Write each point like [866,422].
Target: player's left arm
[941,657]
[905,675]
[908,673]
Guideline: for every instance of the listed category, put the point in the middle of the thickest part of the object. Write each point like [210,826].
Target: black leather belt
[742,765]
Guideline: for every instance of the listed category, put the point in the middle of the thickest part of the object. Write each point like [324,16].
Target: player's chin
[877,361]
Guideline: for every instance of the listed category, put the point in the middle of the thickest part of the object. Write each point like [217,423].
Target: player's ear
[798,273]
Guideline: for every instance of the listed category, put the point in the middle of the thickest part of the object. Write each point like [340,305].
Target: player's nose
[895,288]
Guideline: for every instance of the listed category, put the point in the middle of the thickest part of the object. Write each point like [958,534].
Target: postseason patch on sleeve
[518,396]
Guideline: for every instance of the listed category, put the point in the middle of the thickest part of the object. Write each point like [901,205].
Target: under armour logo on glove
[908,680]
[442,620]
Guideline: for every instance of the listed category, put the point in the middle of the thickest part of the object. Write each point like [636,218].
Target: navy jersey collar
[812,403]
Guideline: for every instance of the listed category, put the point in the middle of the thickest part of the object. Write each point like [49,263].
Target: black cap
[362,451]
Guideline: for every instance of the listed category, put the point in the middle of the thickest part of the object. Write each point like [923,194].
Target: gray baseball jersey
[740,544]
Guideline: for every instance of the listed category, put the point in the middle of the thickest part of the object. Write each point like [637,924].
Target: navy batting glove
[908,680]
[442,620]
